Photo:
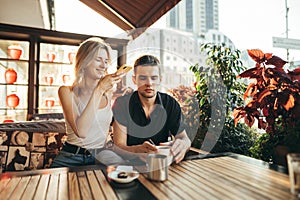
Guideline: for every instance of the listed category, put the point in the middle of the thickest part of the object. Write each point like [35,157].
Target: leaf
[258,56]
[238,114]
[263,94]
[251,91]
[296,71]
[296,111]
[277,73]
[265,112]
[295,74]
[276,61]
[262,124]
[290,103]
[251,73]
[276,104]
[251,106]
[272,84]
[202,101]
[270,121]
[249,120]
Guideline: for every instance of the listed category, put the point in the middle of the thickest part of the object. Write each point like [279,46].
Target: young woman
[87,109]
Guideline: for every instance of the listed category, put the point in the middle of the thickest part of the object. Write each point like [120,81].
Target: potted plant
[272,100]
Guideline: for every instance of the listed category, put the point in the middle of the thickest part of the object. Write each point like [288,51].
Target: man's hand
[179,146]
[146,147]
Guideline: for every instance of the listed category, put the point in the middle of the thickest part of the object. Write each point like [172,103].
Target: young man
[147,117]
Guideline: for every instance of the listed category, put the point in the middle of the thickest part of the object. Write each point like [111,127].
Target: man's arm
[120,140]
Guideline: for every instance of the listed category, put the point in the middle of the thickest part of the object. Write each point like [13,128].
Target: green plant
[237,139]
[263,147]
[273,101]
[218,92]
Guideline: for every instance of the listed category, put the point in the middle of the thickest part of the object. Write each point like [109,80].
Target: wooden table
[57,183]
[222,177]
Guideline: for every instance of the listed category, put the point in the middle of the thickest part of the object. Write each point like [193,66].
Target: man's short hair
[146,60]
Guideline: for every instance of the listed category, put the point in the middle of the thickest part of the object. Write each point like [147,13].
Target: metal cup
[166,150]
[157,167]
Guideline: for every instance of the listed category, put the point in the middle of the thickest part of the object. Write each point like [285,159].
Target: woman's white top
[97,134]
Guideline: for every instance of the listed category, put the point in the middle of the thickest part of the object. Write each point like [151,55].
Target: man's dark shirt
[165,119]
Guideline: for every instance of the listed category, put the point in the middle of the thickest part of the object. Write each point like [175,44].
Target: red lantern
[51,56]
[14,51]
[71,56]
[49,79]
[10,75]
[12,100]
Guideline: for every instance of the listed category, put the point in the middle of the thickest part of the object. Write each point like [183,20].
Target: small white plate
[131,176]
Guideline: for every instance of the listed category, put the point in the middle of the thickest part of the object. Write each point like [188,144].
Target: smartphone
[124,68]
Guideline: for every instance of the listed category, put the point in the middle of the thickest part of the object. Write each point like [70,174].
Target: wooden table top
[220,178]
[56,184]
[212,178]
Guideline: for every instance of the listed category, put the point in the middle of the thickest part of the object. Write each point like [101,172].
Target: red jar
[12,100]
[71,57]
[10,75]
[51,56]
[8,121]
[14,51]
[66,78]
[49,79]
[49,102]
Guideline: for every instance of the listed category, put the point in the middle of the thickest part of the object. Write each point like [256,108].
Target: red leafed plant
[273,97]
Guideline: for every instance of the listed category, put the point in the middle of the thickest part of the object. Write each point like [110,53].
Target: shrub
[272,100]
[218,92]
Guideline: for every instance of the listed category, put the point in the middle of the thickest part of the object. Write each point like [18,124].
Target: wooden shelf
[36,65]
[14,84]
[13,60]
[55,63]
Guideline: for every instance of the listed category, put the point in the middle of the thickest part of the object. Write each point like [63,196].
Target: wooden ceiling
[133,16]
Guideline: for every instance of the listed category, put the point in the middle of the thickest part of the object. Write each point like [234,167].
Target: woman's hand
[107,82]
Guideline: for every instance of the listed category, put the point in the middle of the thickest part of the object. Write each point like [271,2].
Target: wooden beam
[109,13]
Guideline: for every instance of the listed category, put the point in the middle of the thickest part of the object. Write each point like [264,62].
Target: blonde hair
[87,51]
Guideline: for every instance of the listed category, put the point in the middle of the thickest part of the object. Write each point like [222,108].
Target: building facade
[189,25]
[177,50]
[196,16]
